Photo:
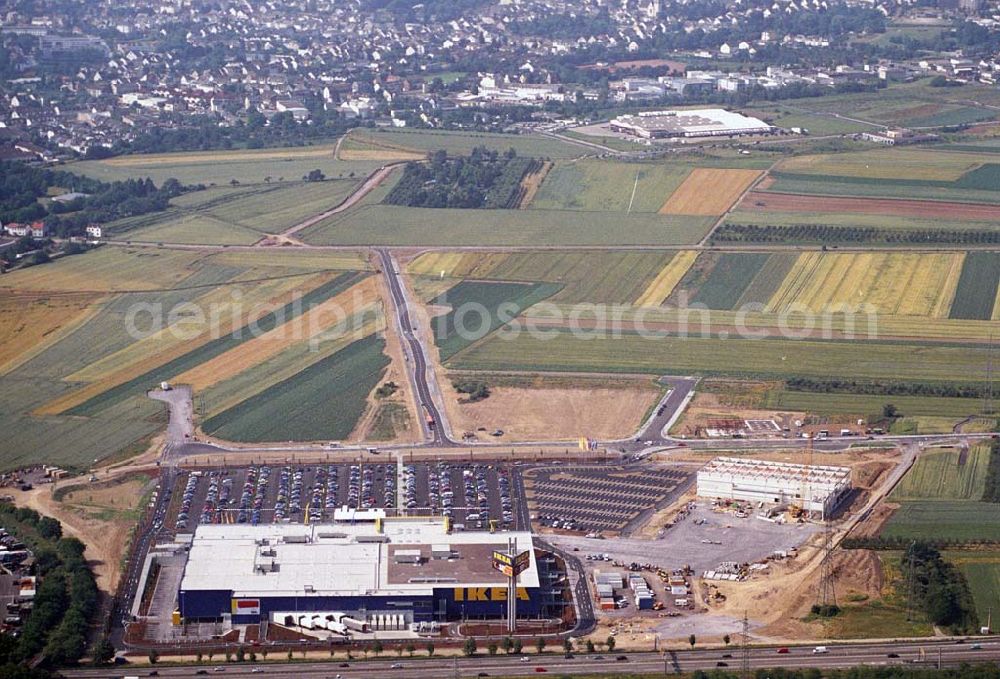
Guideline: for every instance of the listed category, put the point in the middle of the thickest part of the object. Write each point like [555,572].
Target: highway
[923,653]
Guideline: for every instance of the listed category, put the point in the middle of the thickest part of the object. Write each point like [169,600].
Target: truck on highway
[428,417]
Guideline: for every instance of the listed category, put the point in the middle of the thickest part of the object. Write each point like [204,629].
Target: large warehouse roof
[406,557]
[691,123]
[778,473]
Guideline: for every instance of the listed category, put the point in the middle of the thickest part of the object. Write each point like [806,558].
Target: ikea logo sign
[488,594]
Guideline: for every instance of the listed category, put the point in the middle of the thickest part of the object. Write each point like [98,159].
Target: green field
[324,401]
[765,358]
[977,286]
[611,277]
[982,572]
[370,224]
[722,284]
[607,186]
[961,521]
[234,216]
[462,143]
[868,406]
[221,167]
[480,307]
[937,475]
[915,189]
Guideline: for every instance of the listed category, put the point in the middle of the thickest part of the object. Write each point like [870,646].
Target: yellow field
[906,284]
[219,301]
[887,164]
[457,264]
[310,324]
[295,153]
[156,354]
[29,323]
[294,258]
[659,290]
[107,269]
[709,192]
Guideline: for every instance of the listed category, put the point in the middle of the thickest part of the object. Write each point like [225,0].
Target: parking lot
[471,495]
[599,499]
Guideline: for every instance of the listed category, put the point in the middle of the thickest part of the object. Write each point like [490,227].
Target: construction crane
[798,508]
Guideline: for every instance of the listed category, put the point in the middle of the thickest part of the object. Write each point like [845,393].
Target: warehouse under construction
[815,490]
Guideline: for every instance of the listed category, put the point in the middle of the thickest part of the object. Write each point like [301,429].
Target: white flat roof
[694,121]
[342,559]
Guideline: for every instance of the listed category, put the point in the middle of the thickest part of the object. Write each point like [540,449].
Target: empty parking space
[600,498]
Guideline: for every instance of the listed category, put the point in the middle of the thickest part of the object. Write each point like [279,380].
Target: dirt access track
[786,202]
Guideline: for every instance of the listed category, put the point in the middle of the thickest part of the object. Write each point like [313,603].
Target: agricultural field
[976,290]
[909,105]
[775,358]
[982,573]
[661,287]
[957,520]
[818,207]
[869,406]
[593,276]
[718,280]
[374,224]
[222,167]
[95,353]
[463,325]
[945,474]
[322,402]
[239,216]
[608,186]
[709,192]
[462,143]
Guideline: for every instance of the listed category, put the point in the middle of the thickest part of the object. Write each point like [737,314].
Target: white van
[820,650]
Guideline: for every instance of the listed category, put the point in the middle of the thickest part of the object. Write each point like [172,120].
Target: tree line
[485,179]
[824,233]
[65,601]
[21,187]
[885,388]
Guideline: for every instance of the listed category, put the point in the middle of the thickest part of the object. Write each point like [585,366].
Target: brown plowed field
[787,202]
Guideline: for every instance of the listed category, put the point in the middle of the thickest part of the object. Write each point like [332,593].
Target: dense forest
[21,187]
[938,588]
[484,180]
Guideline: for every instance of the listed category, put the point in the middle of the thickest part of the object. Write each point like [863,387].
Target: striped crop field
[661,287]
[608,277]
[908,284]
[976,293]
[709,192]
[731,273]
[943,474]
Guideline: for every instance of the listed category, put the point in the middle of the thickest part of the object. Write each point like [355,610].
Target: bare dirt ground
[531,414]
[531,184]
[396,372]
[100,516]
[707,406]
[785,202]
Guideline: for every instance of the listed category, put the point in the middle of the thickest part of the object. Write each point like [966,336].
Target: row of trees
[485,179]
[885,388]
[825,233]
[939,588]
[65,601]
[991,492]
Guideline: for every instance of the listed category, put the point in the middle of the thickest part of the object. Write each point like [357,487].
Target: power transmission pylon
[745,648]
[827,595]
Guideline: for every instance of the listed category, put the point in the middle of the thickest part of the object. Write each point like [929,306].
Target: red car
[782,650]
[541,669]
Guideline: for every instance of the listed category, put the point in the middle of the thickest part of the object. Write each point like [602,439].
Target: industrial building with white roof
[705,122]
[816,489]
[416,567]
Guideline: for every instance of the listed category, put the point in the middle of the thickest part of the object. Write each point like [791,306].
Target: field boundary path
[367,186]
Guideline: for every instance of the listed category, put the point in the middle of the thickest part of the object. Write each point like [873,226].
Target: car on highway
[344,664]
[525,659]
[396,666]
[483,674]
[257,670]
[892,655]
[202,672]
[976,647]
[727,655]
[219,669]
[783,650]
[722,663]
[541,669]
[621,658]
